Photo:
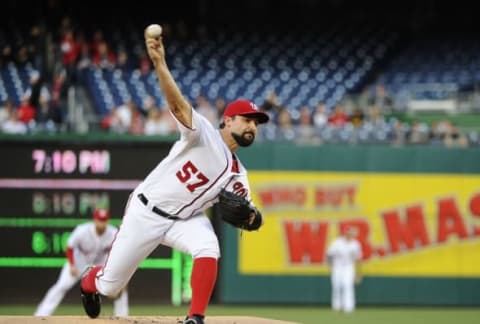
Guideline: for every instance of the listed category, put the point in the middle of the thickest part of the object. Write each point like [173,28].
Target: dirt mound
[134,320]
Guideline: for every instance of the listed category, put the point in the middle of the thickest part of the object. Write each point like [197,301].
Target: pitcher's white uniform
[168,207]
[183,185]
[343,254]
[88,248]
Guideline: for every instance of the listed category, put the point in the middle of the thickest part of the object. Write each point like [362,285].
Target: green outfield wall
[441,267]
[417,210]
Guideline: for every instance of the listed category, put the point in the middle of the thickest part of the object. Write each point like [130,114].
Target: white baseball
[153,31]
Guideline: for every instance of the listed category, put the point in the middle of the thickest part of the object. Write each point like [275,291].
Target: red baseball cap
[245,108]
[101,214]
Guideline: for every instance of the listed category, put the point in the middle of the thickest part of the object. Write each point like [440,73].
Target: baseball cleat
[195,319]
[91,303]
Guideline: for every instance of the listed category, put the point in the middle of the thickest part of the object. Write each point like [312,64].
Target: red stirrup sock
[88,282]
[204,275]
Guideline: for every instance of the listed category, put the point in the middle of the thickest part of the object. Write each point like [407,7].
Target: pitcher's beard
[242,140]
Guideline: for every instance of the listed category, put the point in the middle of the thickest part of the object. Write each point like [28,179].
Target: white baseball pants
[343,289]
[65,282]
[141,232]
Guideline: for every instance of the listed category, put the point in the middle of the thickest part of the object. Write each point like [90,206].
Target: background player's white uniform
[343,253]
[88,248]
[184,184]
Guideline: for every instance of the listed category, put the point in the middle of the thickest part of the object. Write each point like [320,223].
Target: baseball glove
[236,210]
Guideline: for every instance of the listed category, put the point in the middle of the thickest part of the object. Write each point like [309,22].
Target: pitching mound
[135,320]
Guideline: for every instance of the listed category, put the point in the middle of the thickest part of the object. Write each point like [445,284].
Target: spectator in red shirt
[26,112]
[338,117]
[104,58]
[70,50]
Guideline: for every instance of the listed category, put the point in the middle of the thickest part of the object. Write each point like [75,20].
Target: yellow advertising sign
[407,224]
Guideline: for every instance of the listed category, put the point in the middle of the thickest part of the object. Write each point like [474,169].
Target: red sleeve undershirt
[69,253]
[235,164]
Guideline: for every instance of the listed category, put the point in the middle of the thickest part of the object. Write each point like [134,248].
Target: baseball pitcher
[168,207]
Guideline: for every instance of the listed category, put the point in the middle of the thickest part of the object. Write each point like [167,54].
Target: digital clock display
[116,161]
[68,161]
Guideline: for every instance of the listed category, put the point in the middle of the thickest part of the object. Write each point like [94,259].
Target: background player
[88,244]
[168,207]
[343,256]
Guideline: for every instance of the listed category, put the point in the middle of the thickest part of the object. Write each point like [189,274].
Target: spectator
[456,139]
[320,117]
[364,99]
[285,129]
[137,122]
[158,122]
[36,88]
[97,39]
[357,117]
[124,63]
[382,99]
[22,57]
[305,132]
[47,117]
[59,95]
[148,104]
[399,132]
[125,118]
[271,103]
[26,112]
[338,117]
[70,50]
[12,125]
[6,55]
[419,133]
[220,107]
[104,57]
[375,117]
[84,62]
[144,63]
[37,48]
[5,110]
[113,122]
[205,108]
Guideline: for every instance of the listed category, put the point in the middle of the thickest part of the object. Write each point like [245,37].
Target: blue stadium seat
[302,69]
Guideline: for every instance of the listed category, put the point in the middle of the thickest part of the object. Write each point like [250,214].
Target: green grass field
[306,315]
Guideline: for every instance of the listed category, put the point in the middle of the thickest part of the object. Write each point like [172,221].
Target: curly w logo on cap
[245,108]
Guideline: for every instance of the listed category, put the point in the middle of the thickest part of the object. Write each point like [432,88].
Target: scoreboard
[47,188]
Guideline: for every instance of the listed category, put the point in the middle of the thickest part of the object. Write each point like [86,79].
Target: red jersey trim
[69,254]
